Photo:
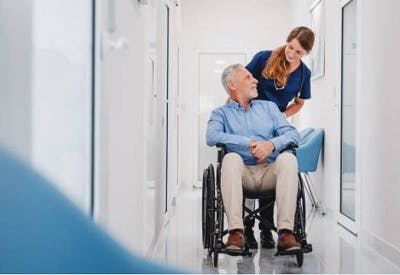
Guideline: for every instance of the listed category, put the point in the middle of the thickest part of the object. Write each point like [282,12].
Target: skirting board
[381,246]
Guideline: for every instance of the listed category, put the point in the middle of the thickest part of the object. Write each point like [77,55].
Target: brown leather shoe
[287,241]
[235,240]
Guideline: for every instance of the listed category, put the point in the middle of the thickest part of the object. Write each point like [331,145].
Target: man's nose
[255,80]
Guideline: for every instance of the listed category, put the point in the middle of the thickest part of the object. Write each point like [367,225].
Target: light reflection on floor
[334,249]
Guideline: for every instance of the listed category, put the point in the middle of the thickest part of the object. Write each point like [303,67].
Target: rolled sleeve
[216,133]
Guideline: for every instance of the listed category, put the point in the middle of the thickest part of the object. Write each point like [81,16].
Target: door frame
[353,226]
[166,65]
[99,202]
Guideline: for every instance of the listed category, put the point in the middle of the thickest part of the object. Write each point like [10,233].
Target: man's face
[245,84]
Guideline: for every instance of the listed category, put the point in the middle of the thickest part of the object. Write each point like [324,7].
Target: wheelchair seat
[249,194]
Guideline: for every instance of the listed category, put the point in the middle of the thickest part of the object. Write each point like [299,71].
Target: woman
[282,77]
[281,74]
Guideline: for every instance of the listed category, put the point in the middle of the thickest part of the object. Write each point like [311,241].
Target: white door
[349,122]
[119,120]
[211,95]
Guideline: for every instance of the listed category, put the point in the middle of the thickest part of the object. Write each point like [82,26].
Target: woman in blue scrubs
[282,78]
[281,74]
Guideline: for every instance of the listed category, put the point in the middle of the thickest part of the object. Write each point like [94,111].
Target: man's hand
[261,149]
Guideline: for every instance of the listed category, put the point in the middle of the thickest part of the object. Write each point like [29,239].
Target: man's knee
[232,160]
[232,169]
[286,163]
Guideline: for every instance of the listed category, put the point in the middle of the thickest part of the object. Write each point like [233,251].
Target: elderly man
[253,132]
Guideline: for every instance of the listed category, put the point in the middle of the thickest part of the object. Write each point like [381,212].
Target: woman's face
[294,51]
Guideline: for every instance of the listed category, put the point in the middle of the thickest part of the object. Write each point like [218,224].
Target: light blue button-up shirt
[234,126]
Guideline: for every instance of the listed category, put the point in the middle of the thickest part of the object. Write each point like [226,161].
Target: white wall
[325,100]
[222,25]
[379,72]
[380,75]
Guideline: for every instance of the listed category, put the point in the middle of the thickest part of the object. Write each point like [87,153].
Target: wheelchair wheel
[217,248]
[208,207]
[211,207]
[299,258]
[204,210]
[300,216]
[220,214]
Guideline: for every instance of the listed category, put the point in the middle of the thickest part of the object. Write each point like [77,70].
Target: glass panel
[348,137]
[46,95]
[167,109]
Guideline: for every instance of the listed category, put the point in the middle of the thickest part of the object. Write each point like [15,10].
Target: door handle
[109,45]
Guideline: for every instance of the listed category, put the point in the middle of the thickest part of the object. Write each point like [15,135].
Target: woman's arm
[294,107]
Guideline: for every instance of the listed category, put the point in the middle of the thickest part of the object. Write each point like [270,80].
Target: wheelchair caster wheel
[299,258]
[217,248]
[215,258]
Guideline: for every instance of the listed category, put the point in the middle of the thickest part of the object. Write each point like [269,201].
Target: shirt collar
[238,106]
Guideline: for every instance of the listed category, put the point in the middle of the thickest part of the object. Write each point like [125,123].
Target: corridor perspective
[105,119]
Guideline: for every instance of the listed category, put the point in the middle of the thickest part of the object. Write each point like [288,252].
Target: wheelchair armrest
[221,152]
[290,147]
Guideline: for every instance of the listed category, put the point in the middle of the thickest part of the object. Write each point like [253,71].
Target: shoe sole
[293,248]
[234,247]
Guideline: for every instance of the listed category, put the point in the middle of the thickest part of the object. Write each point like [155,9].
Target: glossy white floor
[335,250]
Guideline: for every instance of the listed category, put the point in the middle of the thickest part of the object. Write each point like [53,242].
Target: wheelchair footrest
[235,252]
[305,249]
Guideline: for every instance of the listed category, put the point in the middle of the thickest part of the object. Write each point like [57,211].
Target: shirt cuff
[277,144]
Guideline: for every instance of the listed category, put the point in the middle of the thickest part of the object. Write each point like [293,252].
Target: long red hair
[276,66]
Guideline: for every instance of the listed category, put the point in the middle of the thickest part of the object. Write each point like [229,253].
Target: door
[120,101]
[166,120]
[211,95]
[46,92]
[348,173]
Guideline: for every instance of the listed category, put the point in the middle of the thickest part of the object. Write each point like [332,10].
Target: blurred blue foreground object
[43,232]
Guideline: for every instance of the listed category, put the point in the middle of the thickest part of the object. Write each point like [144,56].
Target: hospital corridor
[199,136]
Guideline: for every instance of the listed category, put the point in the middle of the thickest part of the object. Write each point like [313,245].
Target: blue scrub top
[293,88]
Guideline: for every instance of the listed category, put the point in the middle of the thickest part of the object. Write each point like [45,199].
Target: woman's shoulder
[263,54]
[257,63]
[307,70]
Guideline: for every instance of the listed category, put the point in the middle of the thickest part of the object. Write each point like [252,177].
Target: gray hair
[227,75]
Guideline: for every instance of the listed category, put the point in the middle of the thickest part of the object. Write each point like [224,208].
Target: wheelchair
[213,229]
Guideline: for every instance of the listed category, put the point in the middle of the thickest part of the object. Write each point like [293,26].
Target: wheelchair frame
[213,214]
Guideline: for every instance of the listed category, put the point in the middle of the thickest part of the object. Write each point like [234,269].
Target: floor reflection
[335,250]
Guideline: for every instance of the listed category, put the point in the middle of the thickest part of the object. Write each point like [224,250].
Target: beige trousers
[280,176]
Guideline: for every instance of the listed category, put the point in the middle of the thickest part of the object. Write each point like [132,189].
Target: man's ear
[231,85]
